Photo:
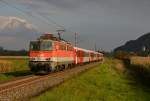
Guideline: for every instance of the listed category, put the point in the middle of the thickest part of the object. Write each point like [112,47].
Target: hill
[140,44]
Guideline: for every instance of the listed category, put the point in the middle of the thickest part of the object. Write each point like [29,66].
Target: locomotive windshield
[43,45]
[46,45]
[34,46]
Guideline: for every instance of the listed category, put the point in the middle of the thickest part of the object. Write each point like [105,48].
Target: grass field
[108,82]
[13,68]
[140,60]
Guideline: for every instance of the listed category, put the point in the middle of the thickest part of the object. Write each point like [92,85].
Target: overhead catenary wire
[61,26]
[39,17]
[25,13]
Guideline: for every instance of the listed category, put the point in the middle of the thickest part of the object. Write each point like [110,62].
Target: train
[49,54]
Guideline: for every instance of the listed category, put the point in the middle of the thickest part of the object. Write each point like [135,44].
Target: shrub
[122,55]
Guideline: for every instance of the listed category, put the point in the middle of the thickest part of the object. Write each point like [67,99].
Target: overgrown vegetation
[139,64]
[141,67]
[107,82]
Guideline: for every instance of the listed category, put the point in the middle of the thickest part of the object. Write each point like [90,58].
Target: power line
[24,12]
[61,26]
[42,18]
[76,41]
[50,19]
[6,3]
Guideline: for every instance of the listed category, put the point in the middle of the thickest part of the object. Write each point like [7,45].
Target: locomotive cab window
[46,45]
[34,45]
[40,45]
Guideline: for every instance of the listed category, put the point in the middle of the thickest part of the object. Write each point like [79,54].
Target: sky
[108,23]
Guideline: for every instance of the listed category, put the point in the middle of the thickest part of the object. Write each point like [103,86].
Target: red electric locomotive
[48,54]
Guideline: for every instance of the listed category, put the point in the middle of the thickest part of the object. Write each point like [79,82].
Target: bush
[122,55]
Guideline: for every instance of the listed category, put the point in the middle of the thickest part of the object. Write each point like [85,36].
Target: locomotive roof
[49,36]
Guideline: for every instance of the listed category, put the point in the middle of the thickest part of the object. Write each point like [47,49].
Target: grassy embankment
[140,67]
[109,81]
[10,68]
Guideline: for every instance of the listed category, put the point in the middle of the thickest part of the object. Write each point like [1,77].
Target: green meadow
[109,81]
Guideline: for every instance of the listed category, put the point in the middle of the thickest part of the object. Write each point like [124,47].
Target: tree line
[5,52]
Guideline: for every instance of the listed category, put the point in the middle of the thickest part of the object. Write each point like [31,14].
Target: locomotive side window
[69,48]
[62,46]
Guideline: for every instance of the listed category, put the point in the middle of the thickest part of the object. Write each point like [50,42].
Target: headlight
[48,59]
[32,59]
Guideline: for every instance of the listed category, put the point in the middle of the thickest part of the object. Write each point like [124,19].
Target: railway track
[12,83]
[24,88]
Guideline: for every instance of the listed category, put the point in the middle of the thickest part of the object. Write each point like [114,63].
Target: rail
[25,88]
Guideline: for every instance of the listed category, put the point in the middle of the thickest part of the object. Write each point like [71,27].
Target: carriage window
[78,53]
[92,54]
[86,54]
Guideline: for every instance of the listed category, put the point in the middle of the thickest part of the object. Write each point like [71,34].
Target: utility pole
[95,47]
[76,40]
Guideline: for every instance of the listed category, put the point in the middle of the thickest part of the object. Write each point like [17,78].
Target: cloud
[108,22]
[13,25]
[58,4]
[15,33]
[64,4]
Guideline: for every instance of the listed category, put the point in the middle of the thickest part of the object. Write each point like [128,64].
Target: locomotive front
[40,55]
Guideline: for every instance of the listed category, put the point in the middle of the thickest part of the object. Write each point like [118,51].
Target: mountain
[140,44]
[15,33]
[13,26]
